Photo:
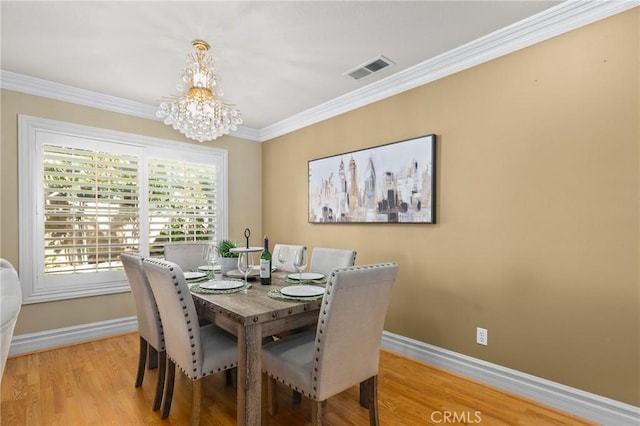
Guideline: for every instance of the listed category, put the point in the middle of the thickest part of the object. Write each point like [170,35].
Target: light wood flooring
[93,384]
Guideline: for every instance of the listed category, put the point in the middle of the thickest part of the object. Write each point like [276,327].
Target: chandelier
[197,113]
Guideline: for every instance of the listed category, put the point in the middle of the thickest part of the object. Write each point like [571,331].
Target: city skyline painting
[392,183]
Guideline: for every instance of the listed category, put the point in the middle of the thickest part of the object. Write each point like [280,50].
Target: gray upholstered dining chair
[344,349]
[149,324]
[286,266]
[188,255]
[197,351]
[325,260]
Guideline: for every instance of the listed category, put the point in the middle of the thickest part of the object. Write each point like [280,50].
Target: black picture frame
[391,183]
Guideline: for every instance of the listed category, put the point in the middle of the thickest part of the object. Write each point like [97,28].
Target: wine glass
[300,261]
[283,255]
[245,265]
[212,259]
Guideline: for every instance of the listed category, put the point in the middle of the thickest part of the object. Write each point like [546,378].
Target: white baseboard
[33,342]
[584,404]
[571,400]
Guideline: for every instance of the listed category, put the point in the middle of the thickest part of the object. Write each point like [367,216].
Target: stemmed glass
[283,255]
[300,261]
[245,265]
[212,259]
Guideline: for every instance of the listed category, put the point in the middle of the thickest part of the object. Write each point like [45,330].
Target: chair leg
[196,399]
[170,375]
[316,413]
[231,376]
[364,394]
[272,400]
[142,359]
[153,358]
[162,363]
[372,391]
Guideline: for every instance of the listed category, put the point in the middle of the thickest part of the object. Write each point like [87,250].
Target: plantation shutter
[88,194]
[182,202]
[91,211]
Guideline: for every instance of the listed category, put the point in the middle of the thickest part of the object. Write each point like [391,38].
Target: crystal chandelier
[197,113]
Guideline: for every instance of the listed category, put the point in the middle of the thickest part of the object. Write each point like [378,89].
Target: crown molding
[75,95]
[557,20]
[248,133]
[62,92]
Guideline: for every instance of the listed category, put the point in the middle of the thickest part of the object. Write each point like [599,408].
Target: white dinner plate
[237,274]
[221,285]
[301,290]
[209,267]
[306,276]
[189,275]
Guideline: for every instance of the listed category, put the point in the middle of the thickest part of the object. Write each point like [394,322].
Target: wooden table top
[255,306]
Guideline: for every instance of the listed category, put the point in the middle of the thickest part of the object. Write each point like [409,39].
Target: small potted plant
[228,261]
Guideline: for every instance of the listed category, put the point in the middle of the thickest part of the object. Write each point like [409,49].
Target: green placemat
[276,294]
[195,288]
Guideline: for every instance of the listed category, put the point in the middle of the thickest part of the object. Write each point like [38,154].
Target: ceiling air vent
[369,67]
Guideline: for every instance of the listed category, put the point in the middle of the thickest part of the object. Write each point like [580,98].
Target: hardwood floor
[93,384]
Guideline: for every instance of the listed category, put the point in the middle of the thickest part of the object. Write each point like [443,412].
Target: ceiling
[275,59]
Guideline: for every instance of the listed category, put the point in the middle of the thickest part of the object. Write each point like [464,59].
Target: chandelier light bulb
[197,113]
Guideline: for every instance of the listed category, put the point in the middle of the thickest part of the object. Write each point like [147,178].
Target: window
[88,194]
[91,210]
[182,202]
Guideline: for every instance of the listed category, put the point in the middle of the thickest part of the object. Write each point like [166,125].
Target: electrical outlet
[482,336]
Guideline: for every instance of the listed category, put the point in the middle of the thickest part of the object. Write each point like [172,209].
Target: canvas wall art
[392,183]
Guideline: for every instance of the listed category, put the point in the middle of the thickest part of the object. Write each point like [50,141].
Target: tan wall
[538,223]
[245,202]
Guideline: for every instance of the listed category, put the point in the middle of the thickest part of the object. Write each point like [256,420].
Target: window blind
[90,209]
[87,194]
[182,202]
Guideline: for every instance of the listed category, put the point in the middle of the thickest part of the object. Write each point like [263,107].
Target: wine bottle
[265,264]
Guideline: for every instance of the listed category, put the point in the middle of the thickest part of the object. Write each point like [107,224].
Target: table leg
[249,374]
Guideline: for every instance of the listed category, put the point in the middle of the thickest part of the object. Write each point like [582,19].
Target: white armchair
[10,304]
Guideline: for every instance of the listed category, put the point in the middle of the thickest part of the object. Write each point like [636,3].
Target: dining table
[252,316]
